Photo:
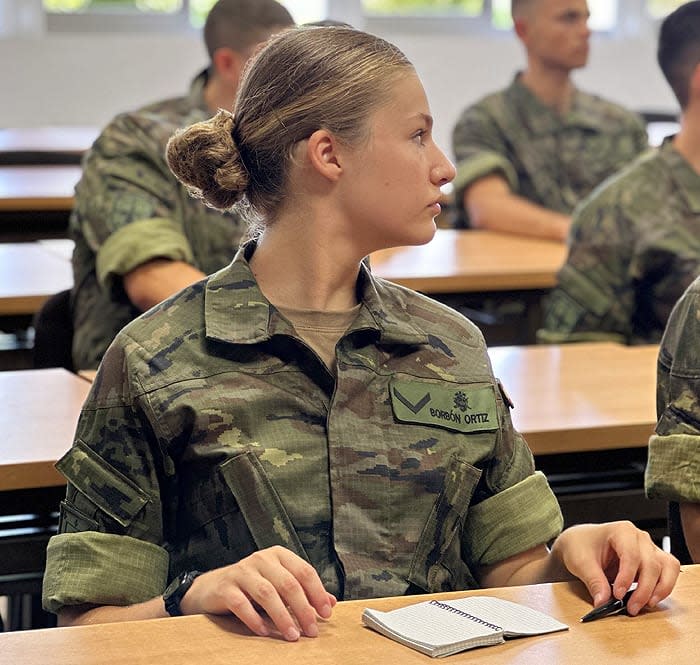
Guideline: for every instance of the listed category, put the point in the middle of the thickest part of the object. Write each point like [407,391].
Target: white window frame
[28,16]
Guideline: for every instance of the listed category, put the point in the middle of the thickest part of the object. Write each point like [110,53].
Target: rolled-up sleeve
[523,516]
[110,548]
[673,467]
[514,508]
[102,569]
[479,151]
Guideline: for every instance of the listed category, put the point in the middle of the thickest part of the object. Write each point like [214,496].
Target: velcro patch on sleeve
[456,408]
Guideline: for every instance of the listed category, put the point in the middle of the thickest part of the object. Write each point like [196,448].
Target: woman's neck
[297,265]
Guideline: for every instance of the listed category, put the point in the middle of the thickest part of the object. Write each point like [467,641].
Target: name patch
[458,409]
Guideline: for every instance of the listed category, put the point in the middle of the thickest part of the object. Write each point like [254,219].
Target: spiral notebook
[441,628]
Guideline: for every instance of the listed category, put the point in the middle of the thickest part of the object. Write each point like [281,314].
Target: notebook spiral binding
[454,610]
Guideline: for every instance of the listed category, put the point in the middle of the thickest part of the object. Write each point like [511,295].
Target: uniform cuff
[480,165]
[139,242]
[673,468]
[512,521]
[102,569]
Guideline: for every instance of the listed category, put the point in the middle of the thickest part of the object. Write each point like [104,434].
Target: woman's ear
[324,154]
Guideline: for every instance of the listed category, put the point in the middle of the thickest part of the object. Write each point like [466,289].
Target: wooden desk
[29,273]
[668,634]
[472,261]
[40,410]
[45,145]
[580,397]
[37,188]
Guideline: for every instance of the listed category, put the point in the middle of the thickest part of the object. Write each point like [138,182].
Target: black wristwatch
[176,591]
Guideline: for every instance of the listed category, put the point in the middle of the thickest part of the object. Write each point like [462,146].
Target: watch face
[177,589]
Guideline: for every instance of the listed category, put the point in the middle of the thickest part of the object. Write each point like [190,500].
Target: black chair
[28,518]
[679,548]
[53,332]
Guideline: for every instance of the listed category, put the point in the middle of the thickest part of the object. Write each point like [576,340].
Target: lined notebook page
[513,618]
[440,628]
[430,628]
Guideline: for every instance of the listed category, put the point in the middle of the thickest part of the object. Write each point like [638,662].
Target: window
[428,15]
[660,8]
[603,12]
[142,15]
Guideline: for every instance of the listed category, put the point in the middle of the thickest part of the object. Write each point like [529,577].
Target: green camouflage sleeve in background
[634,247]
[673,469]
[551,160]
[129,209]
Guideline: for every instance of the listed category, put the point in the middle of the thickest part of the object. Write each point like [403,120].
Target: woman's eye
[418,136]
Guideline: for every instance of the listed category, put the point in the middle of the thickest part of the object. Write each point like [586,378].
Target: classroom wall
[64,79]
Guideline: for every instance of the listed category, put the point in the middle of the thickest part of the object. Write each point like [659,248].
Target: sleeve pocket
[112,492]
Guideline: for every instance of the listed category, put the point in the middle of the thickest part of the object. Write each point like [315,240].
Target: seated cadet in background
[294,427]
[635,242]
[527,155]
[138,236]
[673,468]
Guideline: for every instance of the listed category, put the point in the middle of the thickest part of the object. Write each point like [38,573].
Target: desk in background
[496,279]
[587,411]
[35,201]
[45,145]
[472,261]
[30,273]
[580,397]
[40,410]
[668,634]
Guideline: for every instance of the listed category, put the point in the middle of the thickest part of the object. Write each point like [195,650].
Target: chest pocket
[228,513]
[438,564]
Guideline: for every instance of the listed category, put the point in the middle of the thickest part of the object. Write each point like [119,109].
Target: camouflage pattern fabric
[673,469]
[634,249]
[212,431]
[551,160]
[129,209]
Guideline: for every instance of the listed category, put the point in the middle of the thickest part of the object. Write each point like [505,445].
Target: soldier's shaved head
[240,24]
[678,51]
[520,8]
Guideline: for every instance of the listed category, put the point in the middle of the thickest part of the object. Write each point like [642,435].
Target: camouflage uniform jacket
[673,470]
[212,431]
[634,249]
[129,209]
[551,160]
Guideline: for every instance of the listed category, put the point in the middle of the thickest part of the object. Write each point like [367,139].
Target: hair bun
[205,158]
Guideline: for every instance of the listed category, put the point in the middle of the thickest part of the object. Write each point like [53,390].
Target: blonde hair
[303,80]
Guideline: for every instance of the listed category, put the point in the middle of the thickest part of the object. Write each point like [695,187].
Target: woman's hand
[274,581]
[617,553]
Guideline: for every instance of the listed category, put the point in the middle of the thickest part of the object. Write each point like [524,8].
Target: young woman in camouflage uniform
[294,426]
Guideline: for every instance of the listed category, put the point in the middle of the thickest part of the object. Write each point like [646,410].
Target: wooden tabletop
[472,261]
[37,188]
[32,145]
[668,634]
[580,397]
[40,410]
[29,273]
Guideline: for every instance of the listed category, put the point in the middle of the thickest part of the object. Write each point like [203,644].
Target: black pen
[613,606]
